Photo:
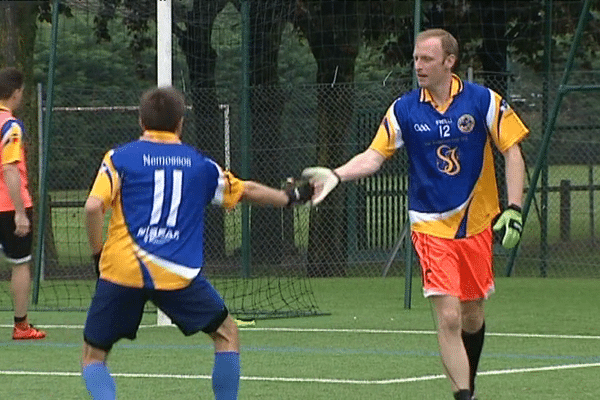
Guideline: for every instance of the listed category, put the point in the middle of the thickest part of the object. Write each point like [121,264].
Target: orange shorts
[456,267]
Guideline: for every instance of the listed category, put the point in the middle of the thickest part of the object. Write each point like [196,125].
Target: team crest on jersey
[448,160]
[466,123]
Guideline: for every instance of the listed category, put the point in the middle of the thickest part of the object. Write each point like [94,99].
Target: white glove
[324,181]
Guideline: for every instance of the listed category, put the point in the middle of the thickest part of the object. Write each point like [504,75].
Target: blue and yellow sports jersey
[157,191]
[12,152]
[452,185]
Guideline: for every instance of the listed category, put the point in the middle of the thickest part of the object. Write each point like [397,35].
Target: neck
[160,136]
[6,105]
[441,92]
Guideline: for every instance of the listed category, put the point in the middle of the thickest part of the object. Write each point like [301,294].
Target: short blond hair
[449,42]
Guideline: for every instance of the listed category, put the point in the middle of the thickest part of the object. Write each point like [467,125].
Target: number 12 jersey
[452,189]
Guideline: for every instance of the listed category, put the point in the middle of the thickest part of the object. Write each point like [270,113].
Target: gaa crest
[466,123]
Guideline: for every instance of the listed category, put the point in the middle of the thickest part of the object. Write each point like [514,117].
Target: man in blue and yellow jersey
[15,202]
[157,188]
[448,127]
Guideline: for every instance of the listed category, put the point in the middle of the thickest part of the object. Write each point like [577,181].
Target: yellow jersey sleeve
[12,144]
[505,126]
[229,189]
[106,184]
[389,135]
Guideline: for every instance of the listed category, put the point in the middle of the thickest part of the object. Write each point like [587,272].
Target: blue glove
[511,221]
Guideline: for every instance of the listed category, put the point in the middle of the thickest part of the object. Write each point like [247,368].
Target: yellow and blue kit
[452,185]
[12,151]
[157,190]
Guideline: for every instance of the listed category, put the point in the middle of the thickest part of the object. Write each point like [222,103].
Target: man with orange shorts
[447,127]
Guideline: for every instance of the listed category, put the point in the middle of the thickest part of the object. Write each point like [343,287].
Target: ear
[450,61]
[179,127]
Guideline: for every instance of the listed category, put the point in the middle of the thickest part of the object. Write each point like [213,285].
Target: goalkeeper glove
[324,178]
[96,258]
[512,222]
[298,193]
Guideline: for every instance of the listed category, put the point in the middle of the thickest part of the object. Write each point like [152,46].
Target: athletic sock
[473,345]
[19,320]
[226,375]
[98,381]
[463,394]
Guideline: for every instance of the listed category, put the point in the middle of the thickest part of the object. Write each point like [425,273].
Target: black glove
[96,259]
[299,192]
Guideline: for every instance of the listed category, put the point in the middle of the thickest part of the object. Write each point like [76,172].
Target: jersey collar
[456,87]
[160,136]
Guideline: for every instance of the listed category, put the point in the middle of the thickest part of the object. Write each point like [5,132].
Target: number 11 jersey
[157,190]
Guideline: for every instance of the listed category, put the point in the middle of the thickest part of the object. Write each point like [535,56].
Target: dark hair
[161,109]
[11,80]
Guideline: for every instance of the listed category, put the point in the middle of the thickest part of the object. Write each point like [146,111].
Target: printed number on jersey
[159,197]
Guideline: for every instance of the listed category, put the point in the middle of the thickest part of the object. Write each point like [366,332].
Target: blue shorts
[116,311]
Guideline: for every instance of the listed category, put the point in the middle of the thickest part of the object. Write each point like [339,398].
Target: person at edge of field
[15,202]
[157,188]
[447,127]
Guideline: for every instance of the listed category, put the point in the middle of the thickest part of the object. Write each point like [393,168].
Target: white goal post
[164,68]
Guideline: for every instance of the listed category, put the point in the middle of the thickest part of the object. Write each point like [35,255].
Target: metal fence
[559,240]
[273,121]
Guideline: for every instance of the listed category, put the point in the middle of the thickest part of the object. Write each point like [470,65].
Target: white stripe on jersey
[491,114]
[12,124]
[416,216]
[177,269]
[159,196]
[220,189]
[175,197]
[395,127]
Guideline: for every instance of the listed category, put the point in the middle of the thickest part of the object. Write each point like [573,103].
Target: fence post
[565,210]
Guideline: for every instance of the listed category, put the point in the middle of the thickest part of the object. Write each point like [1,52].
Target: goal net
[87,120]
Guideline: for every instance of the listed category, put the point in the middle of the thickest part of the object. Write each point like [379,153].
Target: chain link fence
[280,121]
[367,216]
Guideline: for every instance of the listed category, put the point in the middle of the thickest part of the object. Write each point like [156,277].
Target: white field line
[311,380]
[363,331]
[417,332]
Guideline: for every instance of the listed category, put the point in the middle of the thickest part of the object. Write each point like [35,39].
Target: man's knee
[91,354]
[20,268]
[226,336]
[449,319]
[229,329]
[472,316]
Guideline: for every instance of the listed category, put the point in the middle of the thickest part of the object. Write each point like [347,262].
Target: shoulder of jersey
[10,122]
[407,100]
[475,88]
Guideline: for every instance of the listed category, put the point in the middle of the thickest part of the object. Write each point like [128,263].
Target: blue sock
[99,382]
[226,375]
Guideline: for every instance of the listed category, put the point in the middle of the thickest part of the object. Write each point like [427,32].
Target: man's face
[432,65]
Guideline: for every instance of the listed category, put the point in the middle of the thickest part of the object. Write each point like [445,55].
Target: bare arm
[515,174]
[361,165]
[12,179]
[94,219]
[264,195]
